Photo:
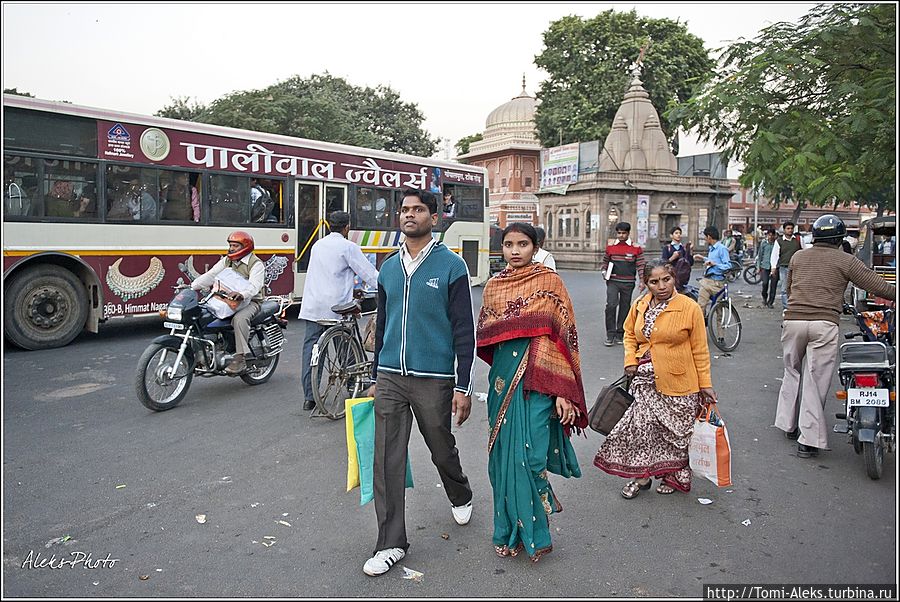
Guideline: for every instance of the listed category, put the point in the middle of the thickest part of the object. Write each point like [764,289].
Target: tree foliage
[462,145]
[17,93]
[809,108]
[589,65]
[322,107]
[184,108]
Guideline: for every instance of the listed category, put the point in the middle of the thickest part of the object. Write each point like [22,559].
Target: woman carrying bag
[668,359]
[526,332]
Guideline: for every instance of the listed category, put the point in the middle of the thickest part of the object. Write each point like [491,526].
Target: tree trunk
[795,217]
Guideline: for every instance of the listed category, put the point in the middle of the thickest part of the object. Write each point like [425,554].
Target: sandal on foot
[504,550]
[633,488]
[664,489]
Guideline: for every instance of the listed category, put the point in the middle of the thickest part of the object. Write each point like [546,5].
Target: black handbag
[610,406]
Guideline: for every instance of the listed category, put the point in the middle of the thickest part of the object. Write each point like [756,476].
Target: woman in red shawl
[526,332]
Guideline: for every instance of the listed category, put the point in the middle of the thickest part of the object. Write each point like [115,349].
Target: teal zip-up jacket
[425,321]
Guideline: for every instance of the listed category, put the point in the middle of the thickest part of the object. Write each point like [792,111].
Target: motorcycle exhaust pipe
[222,360]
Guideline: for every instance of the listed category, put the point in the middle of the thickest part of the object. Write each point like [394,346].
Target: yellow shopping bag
[352,459]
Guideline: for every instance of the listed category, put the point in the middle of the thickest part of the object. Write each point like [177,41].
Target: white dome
[519,109]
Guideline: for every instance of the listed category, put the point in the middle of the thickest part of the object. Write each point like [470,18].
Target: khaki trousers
[240,321]
[817,341]
[708,288]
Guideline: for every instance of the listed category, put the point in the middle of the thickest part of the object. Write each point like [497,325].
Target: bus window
[20,186]
[179,197]
[70,189]
[229,199]
[463,203]
[276,189]
[374,209]
[132,194]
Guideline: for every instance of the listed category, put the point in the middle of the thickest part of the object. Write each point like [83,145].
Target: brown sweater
[818,277]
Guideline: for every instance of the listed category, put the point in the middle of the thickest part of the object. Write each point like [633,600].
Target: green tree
[322,107]
[809,107]
[184,108]
[462,145]
[589,65]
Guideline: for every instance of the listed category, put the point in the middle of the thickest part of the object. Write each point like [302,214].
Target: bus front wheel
[45,306]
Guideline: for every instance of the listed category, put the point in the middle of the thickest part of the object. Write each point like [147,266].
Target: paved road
[82,459]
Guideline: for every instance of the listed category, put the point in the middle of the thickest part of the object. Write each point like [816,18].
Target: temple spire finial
[523,83]
[636,69]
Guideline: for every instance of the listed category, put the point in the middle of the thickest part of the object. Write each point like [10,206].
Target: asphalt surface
[87,469]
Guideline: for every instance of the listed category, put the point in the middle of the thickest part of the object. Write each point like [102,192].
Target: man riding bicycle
[717,263]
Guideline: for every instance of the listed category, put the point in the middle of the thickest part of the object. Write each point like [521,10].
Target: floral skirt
[653,436]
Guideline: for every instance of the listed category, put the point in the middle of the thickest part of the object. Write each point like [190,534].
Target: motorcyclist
[242,260]
[816,280]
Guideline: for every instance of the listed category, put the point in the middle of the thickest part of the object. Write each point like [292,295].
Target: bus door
[315,200]
[335,200]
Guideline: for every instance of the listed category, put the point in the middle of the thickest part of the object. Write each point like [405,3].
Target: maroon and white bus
[104,212]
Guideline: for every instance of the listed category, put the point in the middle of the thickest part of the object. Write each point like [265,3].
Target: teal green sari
[526,442]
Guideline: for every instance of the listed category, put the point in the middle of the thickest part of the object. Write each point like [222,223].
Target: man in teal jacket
[424,360]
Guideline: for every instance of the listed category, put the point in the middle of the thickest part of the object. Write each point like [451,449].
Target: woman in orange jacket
[667,358]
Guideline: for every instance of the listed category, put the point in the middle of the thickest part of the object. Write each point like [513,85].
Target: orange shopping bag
[710,451]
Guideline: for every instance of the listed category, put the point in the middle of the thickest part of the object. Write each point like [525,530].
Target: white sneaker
[382,561]
[462,514]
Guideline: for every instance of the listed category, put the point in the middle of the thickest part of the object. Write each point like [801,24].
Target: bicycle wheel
[733,272]
[724,326]
[332,383]
[752,275]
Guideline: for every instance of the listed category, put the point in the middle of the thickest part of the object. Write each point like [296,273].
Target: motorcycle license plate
[174,325]
[877,398]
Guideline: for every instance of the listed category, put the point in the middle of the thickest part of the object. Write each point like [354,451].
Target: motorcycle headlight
[174,314]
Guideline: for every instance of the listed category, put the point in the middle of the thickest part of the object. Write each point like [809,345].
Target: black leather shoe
[309,404]
[793,435]
[806,451]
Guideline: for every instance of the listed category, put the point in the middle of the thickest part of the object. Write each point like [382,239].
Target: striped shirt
[627,260]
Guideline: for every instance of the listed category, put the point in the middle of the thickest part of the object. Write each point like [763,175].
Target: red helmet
[243,239]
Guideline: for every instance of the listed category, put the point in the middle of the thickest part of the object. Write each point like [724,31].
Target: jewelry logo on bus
[155,144]
[118,142]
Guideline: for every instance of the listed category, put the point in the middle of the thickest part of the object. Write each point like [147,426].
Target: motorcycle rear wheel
[156,390]
[873,453]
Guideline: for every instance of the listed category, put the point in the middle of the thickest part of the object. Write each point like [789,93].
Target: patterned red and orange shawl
[532,302]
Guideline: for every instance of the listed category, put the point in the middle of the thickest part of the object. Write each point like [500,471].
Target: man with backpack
[680,256]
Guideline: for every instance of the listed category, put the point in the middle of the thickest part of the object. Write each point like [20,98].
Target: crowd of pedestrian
[426,339]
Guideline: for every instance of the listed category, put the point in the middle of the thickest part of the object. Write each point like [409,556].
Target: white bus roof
[52,106]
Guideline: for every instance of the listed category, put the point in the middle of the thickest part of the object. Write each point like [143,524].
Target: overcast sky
[456,61]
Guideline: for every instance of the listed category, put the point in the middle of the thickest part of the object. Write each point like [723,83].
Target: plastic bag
[710,451]
[363,417]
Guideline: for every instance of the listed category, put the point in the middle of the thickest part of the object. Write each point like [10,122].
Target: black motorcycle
[866,372]
[201,344]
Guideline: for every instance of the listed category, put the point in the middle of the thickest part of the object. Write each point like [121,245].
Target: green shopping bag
[364,434]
